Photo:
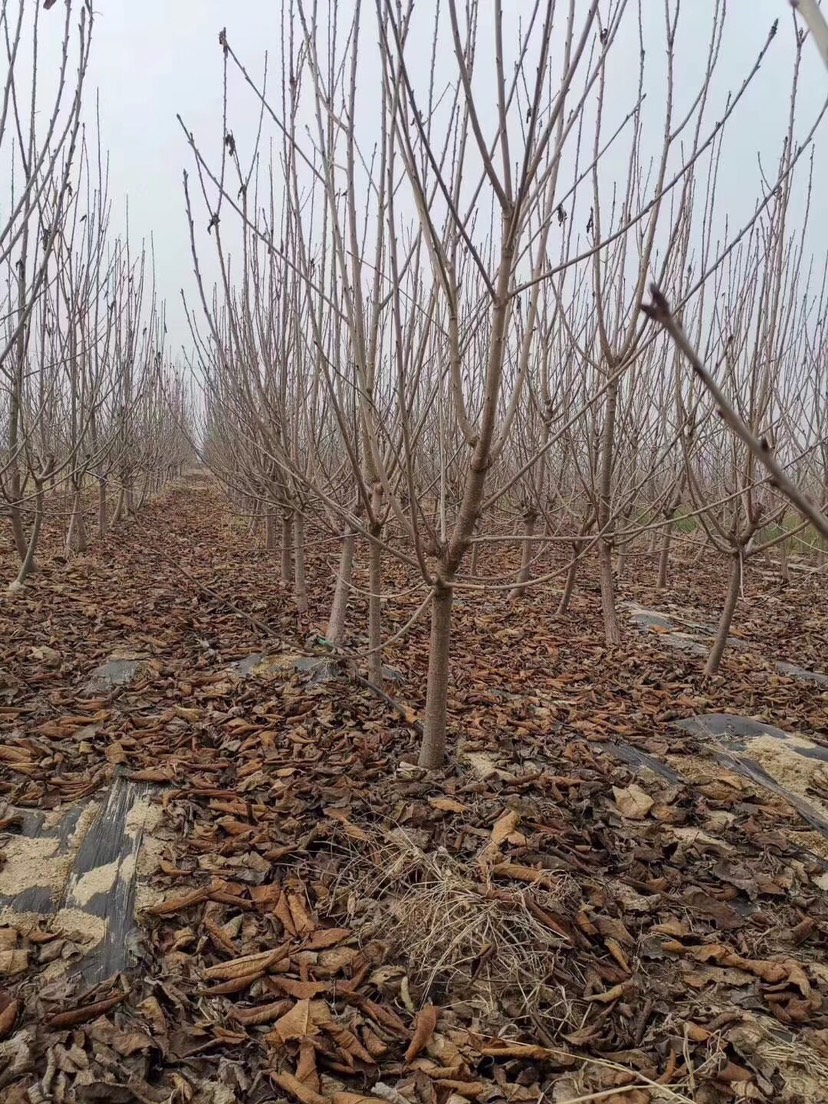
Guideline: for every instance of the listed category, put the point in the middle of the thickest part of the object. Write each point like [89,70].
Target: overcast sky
[155,58]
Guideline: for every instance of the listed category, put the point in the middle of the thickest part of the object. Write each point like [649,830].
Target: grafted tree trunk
[433,747]
[623,549]
[76,540]
[612,630]
[120,505]
[664,554]
[475,552]
[299,588]
[17,528]
[530,518]
[572,573]
[28,564]
[784,565]
[287,547]
[571,576]
[726,620]
[335,631]
[375,588]
[103,515]
[271,540]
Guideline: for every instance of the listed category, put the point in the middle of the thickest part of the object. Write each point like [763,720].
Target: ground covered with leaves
[320,921]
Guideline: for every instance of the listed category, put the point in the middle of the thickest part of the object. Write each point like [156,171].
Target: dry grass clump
[458,933]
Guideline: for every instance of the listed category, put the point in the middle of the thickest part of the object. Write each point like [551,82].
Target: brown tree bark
[726,620]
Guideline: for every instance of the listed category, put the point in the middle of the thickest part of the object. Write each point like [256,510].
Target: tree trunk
[120,506]
[76,534]
[475,552]
[335,631]
[103,517]
[375,609]
[432,749]
[726,619]
[623,551]
[146,487]
[18,529]
[784,566]
[270,530]
[299,588]
[569,585]
[375,589]
[434,732]
[612,632]
[530,518]
[664,555]
[28,564]
[287,550]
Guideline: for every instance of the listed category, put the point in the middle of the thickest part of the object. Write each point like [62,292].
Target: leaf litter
[538,921]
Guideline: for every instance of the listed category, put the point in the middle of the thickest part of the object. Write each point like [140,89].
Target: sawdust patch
[144,816]
[796,772]
[812,841]
[100,879]
[84,823]
[73,924]
[79,926]
[33,863]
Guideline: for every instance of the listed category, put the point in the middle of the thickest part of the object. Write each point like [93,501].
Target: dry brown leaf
[302,1020]
[468,1089]
[772,972]
[306,1069]
[8,1017]
[282,911]
[176,904]
[447,805]
[301,990]
[84,1013]
[296,1088]
[523,873]
[349,1045]
[246,964]
[504,826]
[115,753]
[302,921]
[424,1024]
[152,774]
[262,1014]
[327,937]
[613,994]
[633,803]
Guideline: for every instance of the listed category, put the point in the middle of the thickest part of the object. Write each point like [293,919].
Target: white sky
[155,58]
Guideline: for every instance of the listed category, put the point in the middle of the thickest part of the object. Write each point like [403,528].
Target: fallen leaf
[302,1020]
[504,826]
[424,1024]
[633,803]
[296,1088]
